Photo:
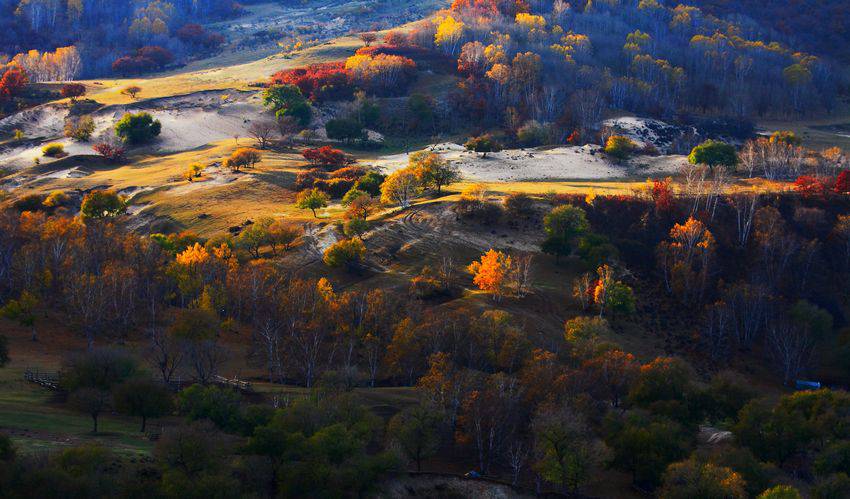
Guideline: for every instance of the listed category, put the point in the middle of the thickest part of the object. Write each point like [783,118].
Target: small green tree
[416,430]
[567,452]
[713,153]
[371,183]
[219,405]
[92,401]
[287,100]
[138,128]
[563,225]
[102,204]
[483,144]
[312,199]
[142,397]
[255,236]
[583,334]
[347,253]
[620,147]
[356,227]
[22,311]
[344,129]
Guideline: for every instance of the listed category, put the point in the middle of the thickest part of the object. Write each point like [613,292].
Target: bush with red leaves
[73,91]
[842,183]
[326,81]
[109,151]
[307,179]
[12,83]
[197,36]
[396,39]
[146,59]
[810,186]
[662,195]
[327,157]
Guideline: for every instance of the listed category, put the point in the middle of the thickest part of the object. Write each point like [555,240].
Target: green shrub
[137,128]
[54,150]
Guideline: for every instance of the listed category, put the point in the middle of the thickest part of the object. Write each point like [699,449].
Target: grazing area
[387,248]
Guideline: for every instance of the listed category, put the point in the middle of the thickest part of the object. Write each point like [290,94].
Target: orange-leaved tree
[491,273]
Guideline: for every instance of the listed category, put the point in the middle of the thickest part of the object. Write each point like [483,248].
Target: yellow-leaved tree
[449,33]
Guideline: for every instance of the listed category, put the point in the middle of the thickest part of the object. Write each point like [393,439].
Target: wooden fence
[47,379]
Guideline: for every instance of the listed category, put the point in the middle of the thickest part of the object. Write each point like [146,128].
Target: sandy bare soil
[188,122]
[560,163]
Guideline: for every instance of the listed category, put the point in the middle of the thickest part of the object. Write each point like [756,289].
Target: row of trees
[98,33]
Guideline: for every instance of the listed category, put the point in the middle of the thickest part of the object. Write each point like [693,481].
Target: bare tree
[521,273]
[165,353]
[262,131]
[745,206]
[715,331]
[791,349]
[368,38]
[517,456]
[748,308]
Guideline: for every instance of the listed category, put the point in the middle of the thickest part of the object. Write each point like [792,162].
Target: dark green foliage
[596,249]
[832,487]
[7,448]
[645,445]
[799,421]
[371,183]
[287,100]
[4,350]
[665,386]
[834,459]
[102,204]
[319,449]
[563,225]
[142,397]
[100,368]
[725,397]
[758,476]
[417,431]
[138,128]
[219,405]
[345,129]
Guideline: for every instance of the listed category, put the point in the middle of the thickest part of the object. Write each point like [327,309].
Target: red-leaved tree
[327,81]
[12,83]
[327,157]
